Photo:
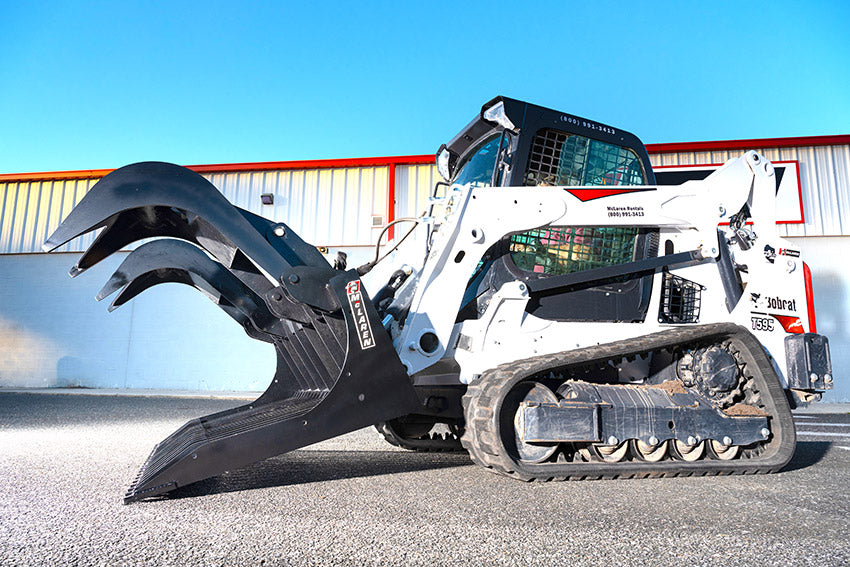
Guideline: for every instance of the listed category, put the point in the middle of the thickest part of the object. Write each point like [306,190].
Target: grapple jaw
[337,370]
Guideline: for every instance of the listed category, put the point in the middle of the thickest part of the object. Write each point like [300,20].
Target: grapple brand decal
[361,319]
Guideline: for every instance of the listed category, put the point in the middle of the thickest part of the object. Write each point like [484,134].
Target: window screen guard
[559,158]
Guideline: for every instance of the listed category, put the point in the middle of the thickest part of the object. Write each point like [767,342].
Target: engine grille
[680,300]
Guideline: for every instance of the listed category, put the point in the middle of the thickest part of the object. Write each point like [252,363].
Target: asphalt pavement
[66,460]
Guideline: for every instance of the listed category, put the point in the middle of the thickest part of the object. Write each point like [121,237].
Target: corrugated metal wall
[334,207]
[414,184]
[324,206]
[31,210]
[824,182]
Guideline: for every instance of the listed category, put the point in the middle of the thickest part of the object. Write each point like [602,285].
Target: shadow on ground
[304,467]
[807,454]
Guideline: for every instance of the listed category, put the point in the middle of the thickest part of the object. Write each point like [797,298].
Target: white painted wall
[54,334]
[828,257]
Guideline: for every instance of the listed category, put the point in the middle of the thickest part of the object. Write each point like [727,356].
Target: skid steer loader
[554,312]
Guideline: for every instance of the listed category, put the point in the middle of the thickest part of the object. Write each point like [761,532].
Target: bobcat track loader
[556,313]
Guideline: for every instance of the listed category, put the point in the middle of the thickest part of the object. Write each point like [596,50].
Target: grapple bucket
[337,370]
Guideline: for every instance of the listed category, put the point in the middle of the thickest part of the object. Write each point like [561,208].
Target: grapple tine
[144,190]
[144,281]
[176,261]
[156,277]
[131,226]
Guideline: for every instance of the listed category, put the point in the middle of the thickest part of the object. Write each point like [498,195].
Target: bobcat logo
[769,253]
[755,297]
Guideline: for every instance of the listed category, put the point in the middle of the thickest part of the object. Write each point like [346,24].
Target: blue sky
[102,84]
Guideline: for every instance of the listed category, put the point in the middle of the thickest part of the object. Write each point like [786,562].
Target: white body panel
[687,215]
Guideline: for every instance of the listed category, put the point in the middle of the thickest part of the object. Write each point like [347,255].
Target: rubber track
[482,404]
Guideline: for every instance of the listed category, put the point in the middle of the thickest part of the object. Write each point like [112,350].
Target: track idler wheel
[533,392]
[724,452]
[647,452]
[688,453]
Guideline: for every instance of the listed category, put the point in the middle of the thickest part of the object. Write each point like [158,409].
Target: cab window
[559,158]
[478,167]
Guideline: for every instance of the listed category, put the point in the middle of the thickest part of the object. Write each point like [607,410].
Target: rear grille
[680,300]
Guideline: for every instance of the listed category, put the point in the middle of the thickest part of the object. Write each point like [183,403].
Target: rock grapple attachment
[336,368]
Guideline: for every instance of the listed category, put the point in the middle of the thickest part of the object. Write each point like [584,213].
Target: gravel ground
[355,500]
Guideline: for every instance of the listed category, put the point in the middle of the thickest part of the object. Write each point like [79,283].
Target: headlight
[443,159]
[496,113]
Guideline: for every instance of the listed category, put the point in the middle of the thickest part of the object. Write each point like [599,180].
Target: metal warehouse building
[53,334]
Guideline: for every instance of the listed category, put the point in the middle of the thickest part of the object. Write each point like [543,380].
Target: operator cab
[513,143]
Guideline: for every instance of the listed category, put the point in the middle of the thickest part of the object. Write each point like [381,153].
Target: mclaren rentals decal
[585,195]
[587,124]
[789,252]
[636,211]
[361,319]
